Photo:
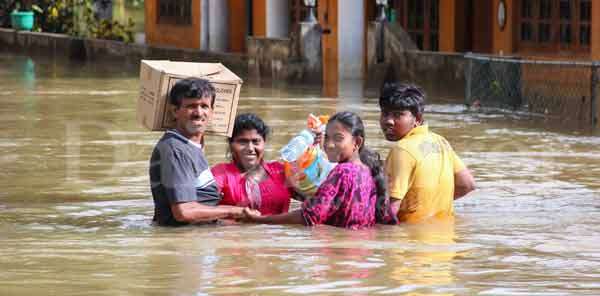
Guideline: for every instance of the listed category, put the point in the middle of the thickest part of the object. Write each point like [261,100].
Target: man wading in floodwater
[183,187]
[424,173]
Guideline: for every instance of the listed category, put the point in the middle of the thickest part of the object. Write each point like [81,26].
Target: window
[174,12]
[585,19]
[545,21]
[420,19]
[527,21]
[555,24]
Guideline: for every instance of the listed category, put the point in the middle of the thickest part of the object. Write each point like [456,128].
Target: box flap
[160,65]
[212,71]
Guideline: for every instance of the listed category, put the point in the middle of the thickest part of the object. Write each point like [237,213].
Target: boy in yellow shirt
[424,173]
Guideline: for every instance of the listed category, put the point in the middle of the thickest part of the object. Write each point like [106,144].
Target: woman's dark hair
[249,121]
[400,96]
[192,88]
[368,157]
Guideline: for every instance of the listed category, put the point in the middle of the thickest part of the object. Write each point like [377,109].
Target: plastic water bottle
[297,146]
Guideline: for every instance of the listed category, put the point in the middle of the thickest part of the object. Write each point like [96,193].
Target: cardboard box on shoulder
[157,78]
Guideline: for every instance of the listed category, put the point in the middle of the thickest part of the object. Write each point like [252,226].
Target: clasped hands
[245,214]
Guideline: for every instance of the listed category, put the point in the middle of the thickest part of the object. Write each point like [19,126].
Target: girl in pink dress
[248,180]
[353,195]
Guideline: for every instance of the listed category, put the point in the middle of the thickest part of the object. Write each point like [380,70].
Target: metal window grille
[174,12]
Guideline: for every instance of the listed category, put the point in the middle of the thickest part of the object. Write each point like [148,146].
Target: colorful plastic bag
[306,165]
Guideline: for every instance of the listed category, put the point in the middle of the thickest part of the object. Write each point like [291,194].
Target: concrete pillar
[278,19]
[204,18]
[373,42]
[310,50]
[214,25]
[351,39]
[218,25]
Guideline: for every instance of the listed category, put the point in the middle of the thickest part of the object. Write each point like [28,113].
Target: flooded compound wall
[557,89]
[441,74]
[269,57]
[96,49]
[287,60]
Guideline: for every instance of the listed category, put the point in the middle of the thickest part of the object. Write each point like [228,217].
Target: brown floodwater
[75,204]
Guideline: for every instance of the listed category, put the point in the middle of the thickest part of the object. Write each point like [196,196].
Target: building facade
[546,28]
[561,29]
[225,25]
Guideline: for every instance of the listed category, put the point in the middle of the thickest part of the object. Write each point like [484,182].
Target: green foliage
[496,87]
[36,9]
[113,30]
[76,18]
[56,17]
[134,3]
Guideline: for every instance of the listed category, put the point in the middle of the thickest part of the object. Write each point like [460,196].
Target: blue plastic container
[22,20]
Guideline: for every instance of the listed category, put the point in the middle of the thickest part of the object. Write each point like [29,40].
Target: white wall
[278,21]
[214,25]
[204,25]
[351,27]
[218,27]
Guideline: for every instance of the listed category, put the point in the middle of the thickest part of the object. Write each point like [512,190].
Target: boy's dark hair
[249,121]
[400,96]
[192,88]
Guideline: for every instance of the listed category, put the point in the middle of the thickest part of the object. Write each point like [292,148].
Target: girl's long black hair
[372,160]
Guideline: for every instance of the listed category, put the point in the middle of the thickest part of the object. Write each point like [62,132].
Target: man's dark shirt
[179,173]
